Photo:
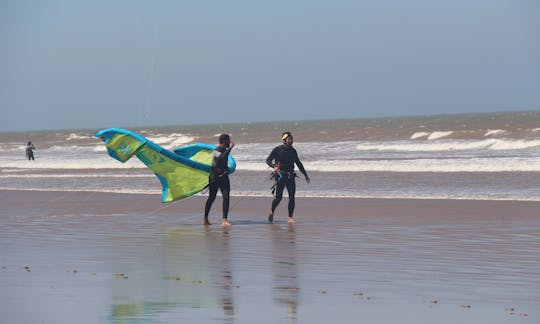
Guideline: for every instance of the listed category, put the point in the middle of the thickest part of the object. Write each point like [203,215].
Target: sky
[68,64]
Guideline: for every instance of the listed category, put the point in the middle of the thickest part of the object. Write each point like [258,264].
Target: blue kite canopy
[182,173]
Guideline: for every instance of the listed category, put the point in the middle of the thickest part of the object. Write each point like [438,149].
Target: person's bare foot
[225,222]
[206,222]
[271,217]
[291,220]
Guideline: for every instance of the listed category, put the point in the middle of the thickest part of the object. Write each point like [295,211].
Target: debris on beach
[121,276]
[322,292]
[434,301]
[230,284]
[362,295]
[27,268]
[465,306]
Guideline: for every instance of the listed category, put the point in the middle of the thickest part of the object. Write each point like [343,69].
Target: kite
[182,173]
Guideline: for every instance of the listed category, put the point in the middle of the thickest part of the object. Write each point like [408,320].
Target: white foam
[172,141]
[10,147]
[63,148]
[437,135]
[394,196]
[431,135]
[413,165]
[105,190]
[73,176]
[182,140]
[495,132]
[478,164]
[99,148]
[449,145]
[419,135]
[430,165]
[74,136]
[408,146]
[514,144]
[157,192]
[71,164]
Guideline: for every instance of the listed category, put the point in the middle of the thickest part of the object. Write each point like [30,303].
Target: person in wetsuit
[219,178]
[282,160]
[30,151]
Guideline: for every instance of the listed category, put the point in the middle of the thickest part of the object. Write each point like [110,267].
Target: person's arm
[225,155]
[301,168]
[270,159]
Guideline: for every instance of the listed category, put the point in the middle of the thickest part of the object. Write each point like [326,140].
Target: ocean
[492,156]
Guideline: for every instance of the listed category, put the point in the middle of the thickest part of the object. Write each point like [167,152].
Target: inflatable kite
[182,173]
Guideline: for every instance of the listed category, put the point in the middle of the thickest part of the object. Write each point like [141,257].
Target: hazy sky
[120,63]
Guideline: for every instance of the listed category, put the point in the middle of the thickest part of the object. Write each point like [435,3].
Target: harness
[278,176]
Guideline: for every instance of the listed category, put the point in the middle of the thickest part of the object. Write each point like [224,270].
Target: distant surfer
[282,160]
[30,151]
[219,178]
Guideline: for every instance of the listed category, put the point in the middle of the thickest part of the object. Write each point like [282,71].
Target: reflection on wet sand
[285,283]
[380,261]
[197,276]
[220,245]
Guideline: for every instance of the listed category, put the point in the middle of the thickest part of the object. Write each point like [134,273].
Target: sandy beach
[83,257]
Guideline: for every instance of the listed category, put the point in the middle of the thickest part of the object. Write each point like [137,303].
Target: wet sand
[100,258]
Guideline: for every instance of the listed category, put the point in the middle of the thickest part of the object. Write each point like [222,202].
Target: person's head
[287,138]
[224,139]
[29,143]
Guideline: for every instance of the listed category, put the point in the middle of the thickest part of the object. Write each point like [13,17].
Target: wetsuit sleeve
[270,159]
[299,164]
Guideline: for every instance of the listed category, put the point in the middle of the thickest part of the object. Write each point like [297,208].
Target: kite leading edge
[182,173]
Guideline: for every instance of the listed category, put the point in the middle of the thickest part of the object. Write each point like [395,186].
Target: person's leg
[291,189]
[279,195]
[212,189]
[225,187]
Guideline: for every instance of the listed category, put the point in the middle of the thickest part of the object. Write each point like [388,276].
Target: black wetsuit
[285,156]
[30,152]
[219,179]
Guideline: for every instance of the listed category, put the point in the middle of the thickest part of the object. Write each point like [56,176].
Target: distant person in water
[282,160]
[30,151]
[219,178]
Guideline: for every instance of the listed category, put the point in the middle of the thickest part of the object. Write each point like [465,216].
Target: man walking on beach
[219,178]
[282,160]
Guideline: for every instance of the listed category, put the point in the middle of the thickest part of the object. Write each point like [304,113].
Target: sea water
[474,156]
